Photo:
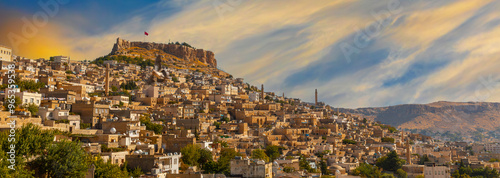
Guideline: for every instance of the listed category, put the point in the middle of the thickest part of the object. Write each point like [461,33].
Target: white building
[254,96]
[228,89]
[123,99]
[28,98]
[220,98]
[5,54]
[61,59]
[492,147]
[437,172]
[151,91]
[244,167]
[206,145]
[158,165]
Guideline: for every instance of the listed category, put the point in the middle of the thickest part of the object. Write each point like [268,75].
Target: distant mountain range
[479,121]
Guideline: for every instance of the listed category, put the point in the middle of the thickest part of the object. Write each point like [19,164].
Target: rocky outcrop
[186,53]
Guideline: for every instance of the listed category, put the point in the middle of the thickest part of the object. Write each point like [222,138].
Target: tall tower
[408,151]
[262,92]
[316,97]
[107,80]
[158,62]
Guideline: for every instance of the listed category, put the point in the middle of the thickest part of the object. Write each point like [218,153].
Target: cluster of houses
[106,106]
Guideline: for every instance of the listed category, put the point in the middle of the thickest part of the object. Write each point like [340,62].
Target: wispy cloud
[422,52]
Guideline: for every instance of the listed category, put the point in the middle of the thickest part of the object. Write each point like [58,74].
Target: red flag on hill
[146,33]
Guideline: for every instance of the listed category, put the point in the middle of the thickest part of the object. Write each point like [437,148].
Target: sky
[357,53]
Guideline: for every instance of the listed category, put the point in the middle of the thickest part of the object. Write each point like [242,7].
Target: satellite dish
[112,130]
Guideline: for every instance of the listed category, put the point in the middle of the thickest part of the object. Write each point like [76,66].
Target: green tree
[64,159]
[84,125]
[129,85]
[288,169]
[217,125]
[388,139]
[156,128]
[107,169]
[260,154]
[114,89]
[390,162]
[29,140]
[324,167]
[401,173]
[190,154]
[16,101]
[137,172]
[366,170]
[423,159]
[32,108]
[175,79]
[387,175]
[29,85]
[464,171]
[304,164]
[223,164]
[348,141]
[225,119]
[494,160]
[205,157]
[274,152]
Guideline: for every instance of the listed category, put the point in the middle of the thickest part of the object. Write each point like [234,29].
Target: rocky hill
[190,54]
[434,119]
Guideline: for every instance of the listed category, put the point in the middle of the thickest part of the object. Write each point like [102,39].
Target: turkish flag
[146,33]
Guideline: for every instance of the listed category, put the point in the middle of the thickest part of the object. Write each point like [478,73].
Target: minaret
[262,92]
[158,63]
[316,97]
[107,80]
[408,151]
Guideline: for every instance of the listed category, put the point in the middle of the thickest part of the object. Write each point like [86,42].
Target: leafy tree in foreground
[367,170]
[191,154]
[107,169]
[401,173]
[205,157]
[15,102]
[479,172]
[274,152]
[64,159]
[390,162]
[260,154]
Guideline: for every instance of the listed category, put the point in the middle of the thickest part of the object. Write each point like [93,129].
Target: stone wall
[180,51]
